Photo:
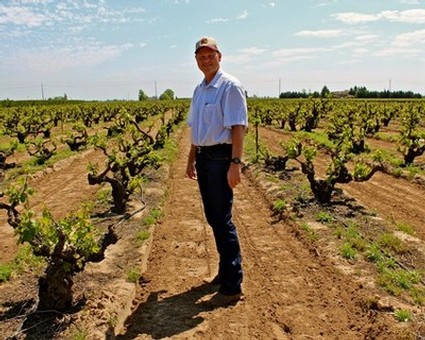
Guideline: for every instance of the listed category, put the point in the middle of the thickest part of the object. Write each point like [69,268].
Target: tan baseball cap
[207,42]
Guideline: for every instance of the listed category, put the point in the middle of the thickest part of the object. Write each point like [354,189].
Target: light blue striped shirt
[215,108]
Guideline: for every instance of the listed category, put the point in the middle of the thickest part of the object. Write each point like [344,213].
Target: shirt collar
[215,81]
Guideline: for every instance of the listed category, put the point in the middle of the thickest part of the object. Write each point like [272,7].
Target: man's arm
[234,173]
[190,168]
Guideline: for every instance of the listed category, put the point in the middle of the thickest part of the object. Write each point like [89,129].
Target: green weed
[133,275]
[79,334]
[389,241]
[312,235]
[324,217]
[374,253]
[142,236]
[405,228]
[279,206]
[152,217]
[6,271]
[403,315]
[348,252]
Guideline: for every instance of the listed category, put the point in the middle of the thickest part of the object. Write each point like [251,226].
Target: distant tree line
[355,92]
[167,95]
[35,102]
[304,94]
[363,92]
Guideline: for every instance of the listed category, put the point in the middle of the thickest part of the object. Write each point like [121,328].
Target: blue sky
[100,49]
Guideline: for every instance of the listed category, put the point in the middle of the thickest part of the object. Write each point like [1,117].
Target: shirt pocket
[213,116]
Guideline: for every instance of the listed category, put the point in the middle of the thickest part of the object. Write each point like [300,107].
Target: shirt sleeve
[235,106]
[189,120]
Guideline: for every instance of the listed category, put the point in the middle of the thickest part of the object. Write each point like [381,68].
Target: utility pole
[280,86]
[42,91]
[156,91]
[389,85]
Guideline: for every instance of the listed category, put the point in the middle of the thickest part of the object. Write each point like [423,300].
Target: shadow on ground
[162,318]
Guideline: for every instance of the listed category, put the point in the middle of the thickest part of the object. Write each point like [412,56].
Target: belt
[216,147]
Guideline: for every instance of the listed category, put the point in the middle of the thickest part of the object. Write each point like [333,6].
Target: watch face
[236,160]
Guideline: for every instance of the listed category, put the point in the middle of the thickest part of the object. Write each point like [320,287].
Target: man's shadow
[170,316]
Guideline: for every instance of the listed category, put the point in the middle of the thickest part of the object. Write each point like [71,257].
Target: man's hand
[191,171]
[190,167]
[234,175]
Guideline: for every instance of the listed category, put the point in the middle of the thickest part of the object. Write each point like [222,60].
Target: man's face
[208,60]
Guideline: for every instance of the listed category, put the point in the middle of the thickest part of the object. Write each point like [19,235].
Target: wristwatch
[236,160]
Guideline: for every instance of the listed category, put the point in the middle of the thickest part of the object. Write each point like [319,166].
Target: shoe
[214,281]
[221,300]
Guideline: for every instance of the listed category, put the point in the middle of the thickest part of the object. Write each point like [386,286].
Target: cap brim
[211,47]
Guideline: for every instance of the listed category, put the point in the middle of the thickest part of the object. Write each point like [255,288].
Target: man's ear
[219,56]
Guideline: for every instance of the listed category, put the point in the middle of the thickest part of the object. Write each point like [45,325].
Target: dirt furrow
[392,199]
[61,189]
[289,292]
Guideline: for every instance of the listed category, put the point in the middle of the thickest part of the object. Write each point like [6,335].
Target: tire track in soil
[290,292]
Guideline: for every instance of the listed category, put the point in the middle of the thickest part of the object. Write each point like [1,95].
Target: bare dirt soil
[294,288]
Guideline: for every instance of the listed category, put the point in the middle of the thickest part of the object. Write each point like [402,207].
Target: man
[218,118]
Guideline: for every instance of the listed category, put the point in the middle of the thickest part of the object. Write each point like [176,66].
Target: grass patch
[391,242]
[412,171]
[348,251]
[79,334]
[6,271]
[396,281]
[142,236]
[279,206]
[405,228]
[403,315]
[133,275]
[24,260]
[250,148]
[374,253]
[152,217]
[324,217]
[320,138]
[312,235]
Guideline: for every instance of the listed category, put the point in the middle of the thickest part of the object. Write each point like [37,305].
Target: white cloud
[410,39]
[29,13]
[320,33]
[21,16]
[66,58]
[217,20]
[323,3]
[410,2]
[286,55]
[397,51]
[366,37]
[412,16]
[253,51]
[348,44]
[37,2]
[355,18]
[245,56]
[243,15]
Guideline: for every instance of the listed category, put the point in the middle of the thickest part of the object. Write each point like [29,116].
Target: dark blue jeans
[212,164]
